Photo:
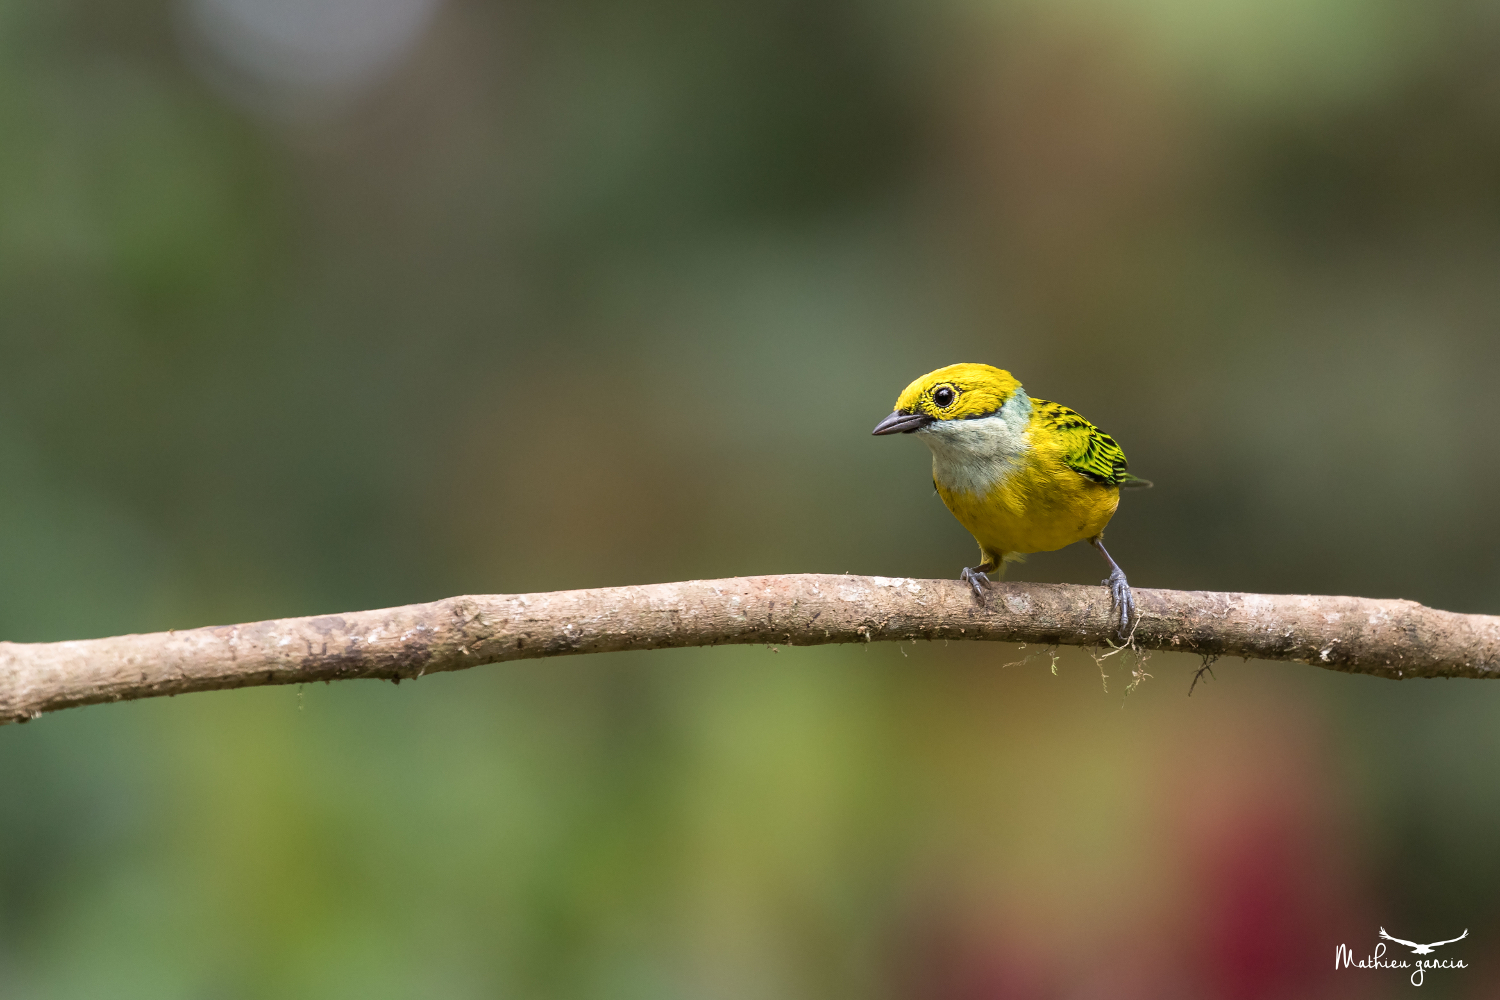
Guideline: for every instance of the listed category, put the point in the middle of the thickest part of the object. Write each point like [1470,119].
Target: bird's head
[957,392]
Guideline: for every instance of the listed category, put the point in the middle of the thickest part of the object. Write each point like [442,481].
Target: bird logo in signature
[1422,949]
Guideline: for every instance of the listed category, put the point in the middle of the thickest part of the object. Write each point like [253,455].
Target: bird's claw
[1121,601]
[977,580]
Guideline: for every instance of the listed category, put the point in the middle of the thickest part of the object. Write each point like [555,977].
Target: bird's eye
[944,397]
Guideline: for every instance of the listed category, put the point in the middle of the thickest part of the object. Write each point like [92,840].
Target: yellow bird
[1021,474]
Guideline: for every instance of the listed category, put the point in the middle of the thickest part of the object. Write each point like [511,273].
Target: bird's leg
[1120,600]
[978,577]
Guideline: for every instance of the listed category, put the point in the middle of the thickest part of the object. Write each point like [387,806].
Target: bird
[1423,949]
[1021,474]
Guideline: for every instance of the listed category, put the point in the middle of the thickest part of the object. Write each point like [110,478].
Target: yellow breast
[1038,506]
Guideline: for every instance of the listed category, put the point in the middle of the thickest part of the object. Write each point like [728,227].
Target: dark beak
[902,423]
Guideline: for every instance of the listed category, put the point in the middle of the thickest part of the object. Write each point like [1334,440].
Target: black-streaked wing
[1087,450]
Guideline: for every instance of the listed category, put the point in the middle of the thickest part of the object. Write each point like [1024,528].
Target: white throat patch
[971,456]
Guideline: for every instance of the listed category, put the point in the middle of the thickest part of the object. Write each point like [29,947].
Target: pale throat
[971,456]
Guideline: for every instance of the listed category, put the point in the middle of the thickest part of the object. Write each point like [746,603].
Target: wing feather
[1086,449]
[1409,944]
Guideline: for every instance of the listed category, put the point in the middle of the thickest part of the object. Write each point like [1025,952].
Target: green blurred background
[318,305]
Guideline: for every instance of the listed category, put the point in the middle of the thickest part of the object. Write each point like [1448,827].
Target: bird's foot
[978,580]
[1121,601]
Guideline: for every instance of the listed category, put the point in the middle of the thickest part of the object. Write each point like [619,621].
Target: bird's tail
[1135,483]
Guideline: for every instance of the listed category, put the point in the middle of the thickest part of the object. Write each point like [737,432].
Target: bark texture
[1385,638]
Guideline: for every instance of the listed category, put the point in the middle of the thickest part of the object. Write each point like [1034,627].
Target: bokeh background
[319,305]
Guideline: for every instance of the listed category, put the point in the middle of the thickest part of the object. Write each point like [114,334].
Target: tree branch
[1393,639]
